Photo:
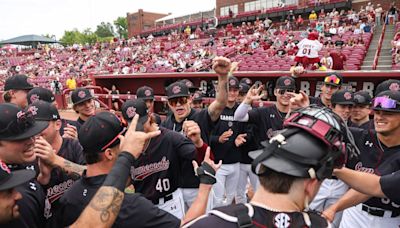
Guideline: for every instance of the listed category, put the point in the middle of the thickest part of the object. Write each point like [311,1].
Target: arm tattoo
[218,105]
[106,201]
[72,169]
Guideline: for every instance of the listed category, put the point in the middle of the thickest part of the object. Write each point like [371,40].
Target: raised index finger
[132,126]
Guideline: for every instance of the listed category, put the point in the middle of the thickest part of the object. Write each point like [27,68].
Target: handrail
[378,50]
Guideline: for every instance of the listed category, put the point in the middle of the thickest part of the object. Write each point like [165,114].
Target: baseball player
[147,94]
[226,139]
[268,119]
[197,101]
[243,90]
[332,83]
[54,180]
[379,155]
[83,104]
[158,171]
[16,89]
[17,139]
[102,143]
[361,111]
[371,184]
[41,94]
[179,103]
[332,189]
[390,84]
[9,196]
[289,179]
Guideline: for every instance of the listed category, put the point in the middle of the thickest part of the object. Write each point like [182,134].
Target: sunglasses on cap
[176,100]
[332,79]
[385,102]
[283,91]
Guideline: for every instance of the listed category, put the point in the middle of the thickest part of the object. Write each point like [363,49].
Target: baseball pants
[245,174]
[227,182]
[190,194]
[175,206]
[355,217]
[330,191]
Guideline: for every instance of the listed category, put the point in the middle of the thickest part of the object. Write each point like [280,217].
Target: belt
[164,199]
[379,212]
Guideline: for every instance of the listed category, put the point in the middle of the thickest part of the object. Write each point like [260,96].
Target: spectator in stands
[313,16]
[378,14]
[357,30]
[338,59]
[114,91]
[321,15]
[392,14]
[327,61]
[267,23]
[299,22]
[71,82]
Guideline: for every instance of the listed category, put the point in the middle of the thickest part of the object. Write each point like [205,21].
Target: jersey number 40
[163,185]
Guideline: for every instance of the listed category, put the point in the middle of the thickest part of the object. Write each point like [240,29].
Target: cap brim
[178,95]
[344,103]
[332,84]
[37,127]
[386,110]
[140,124]
[83,100]
[17,178]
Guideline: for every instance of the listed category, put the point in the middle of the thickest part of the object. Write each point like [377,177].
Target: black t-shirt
[261,218]
[268,120]
[60,182]
[136,211]
[251,143]
[227,151]
[390,186]
[376,158]
[203,119]
[317,101]
[31,206]
[158,171]
[77,123]
[366,126]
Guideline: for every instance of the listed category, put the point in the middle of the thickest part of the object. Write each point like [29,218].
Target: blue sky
[22,17]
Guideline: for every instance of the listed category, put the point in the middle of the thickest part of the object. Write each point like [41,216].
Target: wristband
[120,171]
[206,174]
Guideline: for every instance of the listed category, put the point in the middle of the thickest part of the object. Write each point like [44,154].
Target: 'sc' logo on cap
[147,93]
[287,82]
[347,95]
[176,89]
[131,112]
[232,82]
[34,98]
[189,84]
[394,86]
[81,94]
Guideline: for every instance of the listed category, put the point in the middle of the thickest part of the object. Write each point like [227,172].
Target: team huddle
[301,162]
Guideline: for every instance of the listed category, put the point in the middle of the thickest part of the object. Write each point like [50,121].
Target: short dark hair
[7,96]
[92,158]
[276,182]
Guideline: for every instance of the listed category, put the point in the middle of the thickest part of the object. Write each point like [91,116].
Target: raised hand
[193,132]
[240,139]
[70,131]
[225,136]
[254,94]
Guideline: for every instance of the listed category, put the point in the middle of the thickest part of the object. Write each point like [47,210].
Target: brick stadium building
[141,20]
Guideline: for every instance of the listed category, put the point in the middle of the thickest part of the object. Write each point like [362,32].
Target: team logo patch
[147,92]
[248,81]
[4,167]
[347,95]
[131,112]
[34,98]
[232,82]
[189,84]
[176,89]
[282,220]
[287,82]
[81,94]
[394,87]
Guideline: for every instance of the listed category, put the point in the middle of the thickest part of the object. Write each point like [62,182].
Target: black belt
[165,198]
[378,212]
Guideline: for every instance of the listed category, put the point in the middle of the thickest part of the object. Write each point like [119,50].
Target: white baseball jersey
[309,48]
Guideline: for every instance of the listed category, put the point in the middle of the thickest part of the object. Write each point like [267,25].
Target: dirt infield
[68,114]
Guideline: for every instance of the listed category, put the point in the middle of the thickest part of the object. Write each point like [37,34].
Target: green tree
[71,37]
[87,36]
[105,30]
[121,25]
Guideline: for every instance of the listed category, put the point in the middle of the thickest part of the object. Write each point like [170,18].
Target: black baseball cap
[189,84]
[387,98]
[132,107]
[9,180]
[197,96]
[45,111]
[244,88]
[246,81]
[145,92]
[390,84]
[233,82]
[344,97]
[333,79]
[39,93]
[177,89]
[285,82]
[18,124]
[81,95]
[362,98]
[100,132]
[17,82]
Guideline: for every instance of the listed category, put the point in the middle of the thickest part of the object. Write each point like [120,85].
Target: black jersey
[317,101]
[251,144]
[390,186]
[366,126]
[268,120]
[31,206]
[136,211]
[60,182]
[227,151]
[157,172]
[157,118]
[258,217]
[376,158]
[203,119]
[77,123]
